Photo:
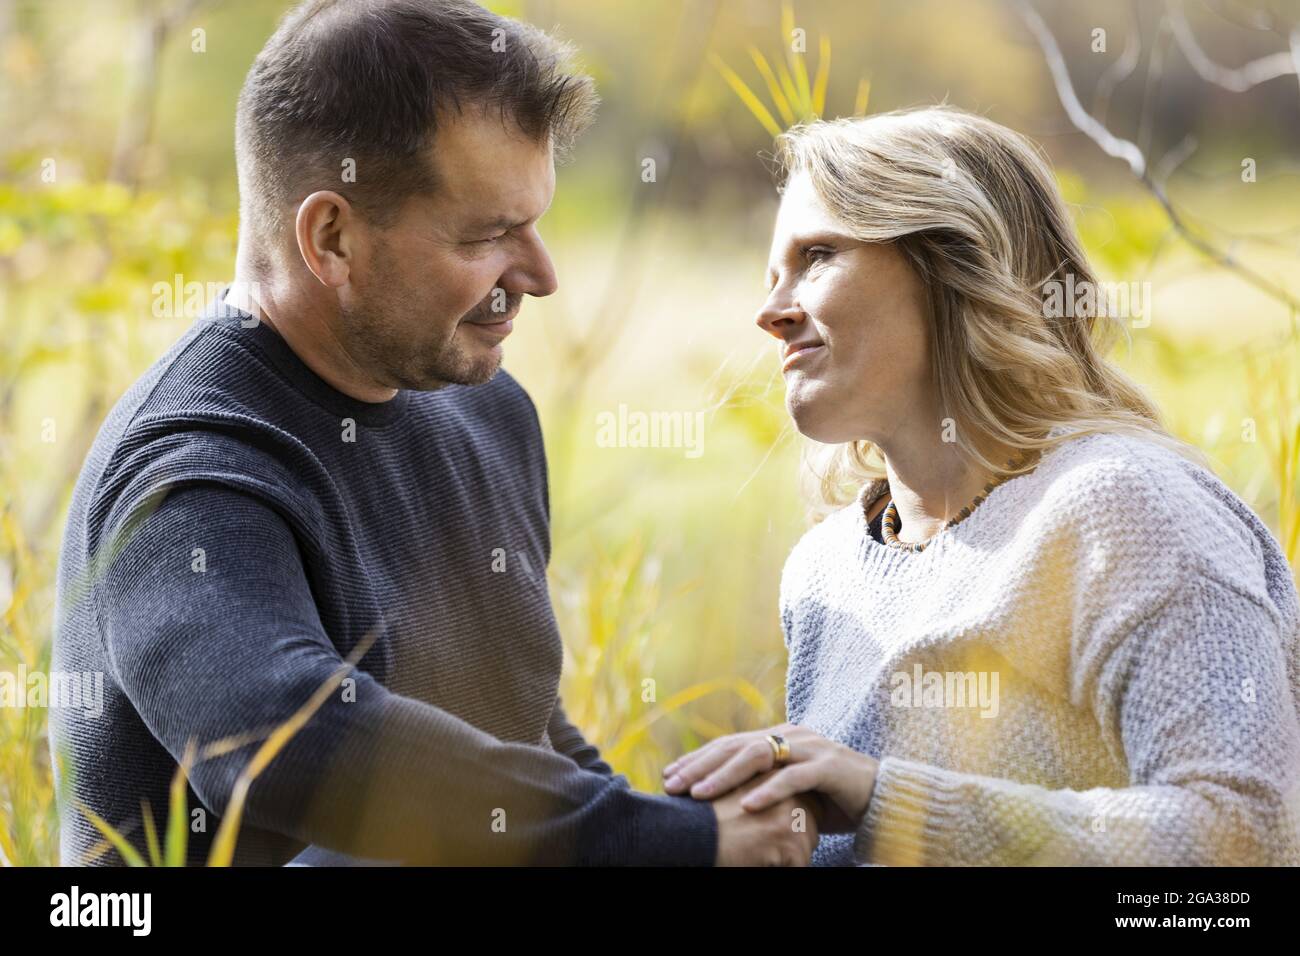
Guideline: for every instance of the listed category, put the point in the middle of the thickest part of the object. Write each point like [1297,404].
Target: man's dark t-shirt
[238,528]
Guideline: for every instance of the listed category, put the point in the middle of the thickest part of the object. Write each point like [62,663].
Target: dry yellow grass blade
[15,623]
[787,48]
[864,95]
[118,841]
[228,745]
[823,76]
[754,104]
[797,64]
[787,84]
[1284,451]
[223,846]
[707,728]
[640,727]
[1288,507]
[800,70]
[177,811]
[786,79]
[150,834]
[8,855]
[773,87]
[787,20]
[1288,463]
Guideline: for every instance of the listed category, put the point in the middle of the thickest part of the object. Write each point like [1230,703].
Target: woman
[1042,632]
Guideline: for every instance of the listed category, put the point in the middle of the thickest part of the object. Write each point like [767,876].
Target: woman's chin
[811,421]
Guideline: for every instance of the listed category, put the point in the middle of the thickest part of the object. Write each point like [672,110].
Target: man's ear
[326,230]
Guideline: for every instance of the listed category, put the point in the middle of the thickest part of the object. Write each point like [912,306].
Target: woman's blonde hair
[975,209]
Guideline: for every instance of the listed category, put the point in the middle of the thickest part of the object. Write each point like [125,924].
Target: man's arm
[239,647]
[568,740]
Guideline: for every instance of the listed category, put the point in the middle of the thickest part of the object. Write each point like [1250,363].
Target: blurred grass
[665,569]
[793,98]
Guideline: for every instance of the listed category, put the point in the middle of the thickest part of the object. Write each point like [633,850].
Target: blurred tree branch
[1241,79]
[1119,71]
[1136,158]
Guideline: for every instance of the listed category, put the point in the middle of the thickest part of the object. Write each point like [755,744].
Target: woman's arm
[1202,700]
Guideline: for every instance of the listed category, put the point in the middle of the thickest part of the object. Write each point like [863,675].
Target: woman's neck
[930,484]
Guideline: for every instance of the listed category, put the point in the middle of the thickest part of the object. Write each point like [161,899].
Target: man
[331,458]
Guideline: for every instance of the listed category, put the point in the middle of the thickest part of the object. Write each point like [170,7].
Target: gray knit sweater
[1101,665]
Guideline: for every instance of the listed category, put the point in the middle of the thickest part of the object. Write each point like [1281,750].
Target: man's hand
[784,833]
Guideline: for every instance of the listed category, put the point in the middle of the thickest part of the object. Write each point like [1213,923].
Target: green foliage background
[665,568]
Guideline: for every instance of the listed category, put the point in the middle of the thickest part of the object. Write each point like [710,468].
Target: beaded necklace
[890,523]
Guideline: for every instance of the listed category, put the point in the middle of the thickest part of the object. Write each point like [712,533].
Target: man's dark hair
[371,81]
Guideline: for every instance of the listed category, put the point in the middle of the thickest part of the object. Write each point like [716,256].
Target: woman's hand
[842,776]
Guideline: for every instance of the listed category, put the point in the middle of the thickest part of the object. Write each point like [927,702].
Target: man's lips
[795,351]
[495,326]
[501,329]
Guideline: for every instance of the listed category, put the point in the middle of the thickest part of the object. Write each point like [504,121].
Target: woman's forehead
[802,210]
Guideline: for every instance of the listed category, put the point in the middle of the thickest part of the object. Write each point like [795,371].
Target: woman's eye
[818,253]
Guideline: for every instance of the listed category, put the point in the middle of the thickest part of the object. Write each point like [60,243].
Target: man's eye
[491,239]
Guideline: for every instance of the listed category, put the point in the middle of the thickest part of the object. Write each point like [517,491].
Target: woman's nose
[776,315]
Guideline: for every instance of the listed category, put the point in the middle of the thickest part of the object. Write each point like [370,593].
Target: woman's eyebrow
[819,235]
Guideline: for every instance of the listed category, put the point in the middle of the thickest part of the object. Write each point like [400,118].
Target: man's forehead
[477,144]
[490,169]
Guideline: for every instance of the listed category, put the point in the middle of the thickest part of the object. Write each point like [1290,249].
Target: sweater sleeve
[568,740]
[235,647]
[1187,667]
[1209,729]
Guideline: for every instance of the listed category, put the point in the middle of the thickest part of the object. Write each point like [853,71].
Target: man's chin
[483,377]
[485,369]
[474,372]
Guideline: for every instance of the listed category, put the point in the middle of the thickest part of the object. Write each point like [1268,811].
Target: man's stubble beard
[373,330]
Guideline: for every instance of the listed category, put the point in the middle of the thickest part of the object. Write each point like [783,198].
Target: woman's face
[851,319]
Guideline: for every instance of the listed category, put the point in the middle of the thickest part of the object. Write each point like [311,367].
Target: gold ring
[780,750]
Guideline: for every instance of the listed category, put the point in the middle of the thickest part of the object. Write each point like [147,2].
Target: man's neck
[311,339]
[244,296]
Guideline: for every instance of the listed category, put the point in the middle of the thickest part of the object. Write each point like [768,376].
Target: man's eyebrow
[505,222]
[497,222]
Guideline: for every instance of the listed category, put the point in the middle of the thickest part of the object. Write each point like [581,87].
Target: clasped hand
[758,803]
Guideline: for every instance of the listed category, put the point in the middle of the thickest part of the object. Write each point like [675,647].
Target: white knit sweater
[1135,630]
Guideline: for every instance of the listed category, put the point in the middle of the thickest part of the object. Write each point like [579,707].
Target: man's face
[431,298]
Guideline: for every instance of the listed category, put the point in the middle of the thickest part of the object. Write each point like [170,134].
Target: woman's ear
[326,230]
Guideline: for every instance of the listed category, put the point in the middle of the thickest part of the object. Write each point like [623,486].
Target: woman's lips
[802,352]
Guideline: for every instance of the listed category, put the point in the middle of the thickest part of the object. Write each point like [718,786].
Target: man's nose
[535,273]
